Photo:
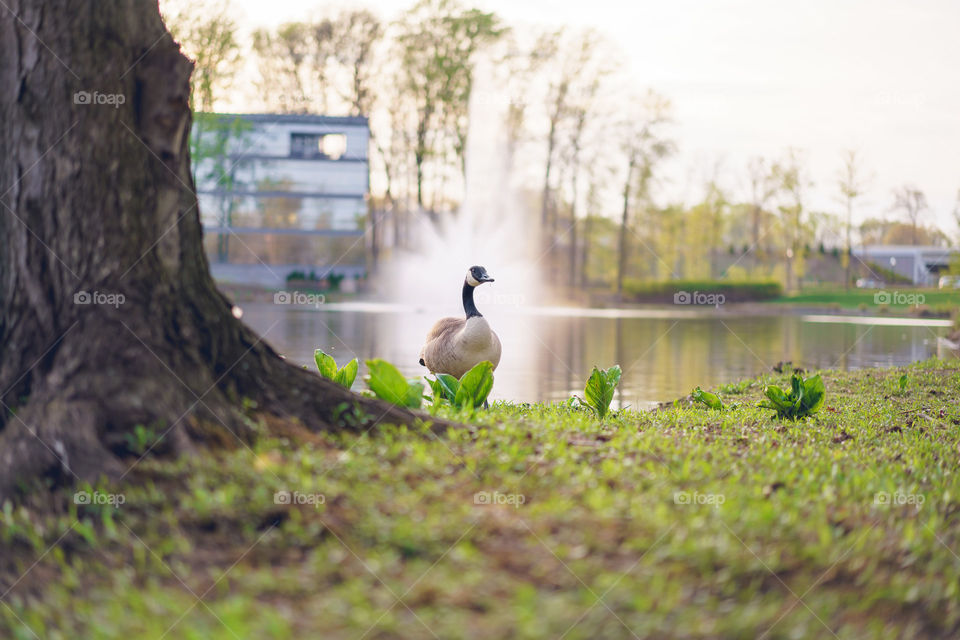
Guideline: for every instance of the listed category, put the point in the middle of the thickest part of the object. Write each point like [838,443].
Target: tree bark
[624,220]
[756,229]
[847,248]
[108,315]
[585,253]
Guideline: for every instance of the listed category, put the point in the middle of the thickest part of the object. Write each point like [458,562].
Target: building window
[316,145]
[305,145]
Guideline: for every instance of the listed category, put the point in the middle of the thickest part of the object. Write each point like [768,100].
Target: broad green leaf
[437,389]
[325,364]
[707,398]
[475,386]
[600,388]
[449,384]
[796,387]
[414,394]
[348,373]
[777,397]
[903,382]
[814,393]
[444,387]
[387,383]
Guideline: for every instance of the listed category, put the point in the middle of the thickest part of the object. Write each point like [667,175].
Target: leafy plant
[344,375]
[387,383]
[469,391]
[902,383]
[600,387]
[805,398]
[707,398]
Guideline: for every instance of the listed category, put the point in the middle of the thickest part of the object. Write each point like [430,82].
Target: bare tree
[597,175]
[575,65]
[437,42]
[356,34]
[716,206]
[520,67]
[293,65]
[912,202]
[793,186]
[852,182]
[582,111]
[644,146]
[763,186]
[549,45]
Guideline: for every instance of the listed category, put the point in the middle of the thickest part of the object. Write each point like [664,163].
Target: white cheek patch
[473,282]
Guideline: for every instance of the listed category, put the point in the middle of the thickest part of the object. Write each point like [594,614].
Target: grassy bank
[699,292]
[540,522]
[900,299]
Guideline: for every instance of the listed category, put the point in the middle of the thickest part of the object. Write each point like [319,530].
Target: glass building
[282,193]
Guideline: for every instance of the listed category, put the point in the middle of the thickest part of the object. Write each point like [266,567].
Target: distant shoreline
[781,306]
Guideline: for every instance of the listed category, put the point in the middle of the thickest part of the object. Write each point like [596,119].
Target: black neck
[468,306]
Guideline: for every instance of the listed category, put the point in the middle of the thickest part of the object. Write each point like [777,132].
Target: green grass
[684,522]
[854,298]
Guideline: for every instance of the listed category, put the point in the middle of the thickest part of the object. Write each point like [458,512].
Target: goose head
[477,275]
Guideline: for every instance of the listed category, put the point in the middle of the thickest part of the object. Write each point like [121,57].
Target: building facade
[282,194]
[922,265]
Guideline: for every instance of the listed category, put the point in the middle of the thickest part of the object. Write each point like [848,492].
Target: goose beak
[486,279]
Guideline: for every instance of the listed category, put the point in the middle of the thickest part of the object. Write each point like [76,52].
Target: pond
[548,352]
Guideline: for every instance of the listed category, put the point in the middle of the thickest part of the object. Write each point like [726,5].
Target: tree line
[568,108]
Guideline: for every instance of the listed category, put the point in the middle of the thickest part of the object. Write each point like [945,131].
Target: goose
[455,345]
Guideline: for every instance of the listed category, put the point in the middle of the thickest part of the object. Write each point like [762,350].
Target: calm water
[549,352]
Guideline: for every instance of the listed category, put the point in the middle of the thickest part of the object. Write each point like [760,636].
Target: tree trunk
[622,249]
[420,152]
[585,254]
[545,200]
[573,236]
[108,315]
[847,247]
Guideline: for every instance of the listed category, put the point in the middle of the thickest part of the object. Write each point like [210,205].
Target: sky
[753,77]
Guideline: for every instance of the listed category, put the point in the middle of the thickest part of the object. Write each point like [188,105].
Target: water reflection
[547,355]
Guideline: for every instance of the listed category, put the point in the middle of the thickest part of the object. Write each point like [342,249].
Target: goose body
[456,345]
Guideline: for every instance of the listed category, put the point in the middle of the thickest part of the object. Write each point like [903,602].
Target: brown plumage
[456,345]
